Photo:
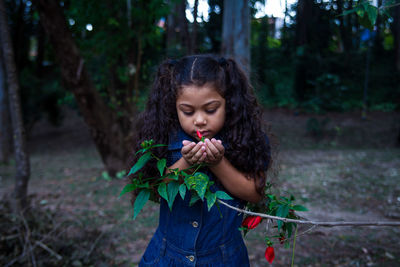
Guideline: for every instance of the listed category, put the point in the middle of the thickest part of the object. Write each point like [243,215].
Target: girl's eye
[188,113]
[211,111]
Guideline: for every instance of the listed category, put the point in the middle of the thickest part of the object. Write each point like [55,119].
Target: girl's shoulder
[176,137]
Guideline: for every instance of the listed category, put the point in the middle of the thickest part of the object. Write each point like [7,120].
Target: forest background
[327,75]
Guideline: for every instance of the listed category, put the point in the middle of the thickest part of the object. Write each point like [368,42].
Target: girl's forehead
[194,92]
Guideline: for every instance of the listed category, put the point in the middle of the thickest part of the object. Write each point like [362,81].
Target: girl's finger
[196,157]
[218,145]
[214,151]
[210,154]
[188,147]
[203,157]
[185,142]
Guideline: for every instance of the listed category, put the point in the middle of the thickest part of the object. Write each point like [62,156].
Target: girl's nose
[200,120]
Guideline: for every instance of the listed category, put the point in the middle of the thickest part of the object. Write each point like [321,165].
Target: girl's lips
[205,133]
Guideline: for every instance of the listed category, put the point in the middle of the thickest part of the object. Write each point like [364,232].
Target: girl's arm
[232,179]
[235,181]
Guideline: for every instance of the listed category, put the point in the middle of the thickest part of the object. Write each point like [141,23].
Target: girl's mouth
[204,133]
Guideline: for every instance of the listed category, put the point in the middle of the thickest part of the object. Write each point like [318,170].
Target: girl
[213,96]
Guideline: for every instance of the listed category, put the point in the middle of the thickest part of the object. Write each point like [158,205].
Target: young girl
[211,95]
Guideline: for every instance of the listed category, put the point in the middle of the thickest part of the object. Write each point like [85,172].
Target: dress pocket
[153,252]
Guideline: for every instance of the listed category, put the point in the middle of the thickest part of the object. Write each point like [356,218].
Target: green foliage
[168,185]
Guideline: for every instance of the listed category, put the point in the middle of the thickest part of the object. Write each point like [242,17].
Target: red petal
[251,222]
[199,134]
[270,254]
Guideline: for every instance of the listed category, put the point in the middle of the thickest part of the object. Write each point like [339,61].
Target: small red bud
[251,222]
[199,134]
[269,254]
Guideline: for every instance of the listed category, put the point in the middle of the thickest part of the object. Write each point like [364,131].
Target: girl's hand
[215,151]
[193,153]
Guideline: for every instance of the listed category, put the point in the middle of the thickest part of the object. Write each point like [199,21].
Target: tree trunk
[5,122]
[178,41]
[236,32]
[396,33]
[102,121]
[304,13]
[193,46]
[342,27]
[21,154]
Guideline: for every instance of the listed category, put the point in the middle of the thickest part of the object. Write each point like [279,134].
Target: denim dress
[192,235]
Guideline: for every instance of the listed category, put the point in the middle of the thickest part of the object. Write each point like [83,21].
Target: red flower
[270,254]
[251,222]
[199,134]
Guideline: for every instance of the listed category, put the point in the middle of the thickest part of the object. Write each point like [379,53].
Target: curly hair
[248,150]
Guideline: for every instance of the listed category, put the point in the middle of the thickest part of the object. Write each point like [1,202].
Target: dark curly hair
[248,150]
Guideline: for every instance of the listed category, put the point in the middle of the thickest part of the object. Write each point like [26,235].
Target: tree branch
[325,224]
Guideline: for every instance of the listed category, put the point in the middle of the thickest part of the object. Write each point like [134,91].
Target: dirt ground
[342,167]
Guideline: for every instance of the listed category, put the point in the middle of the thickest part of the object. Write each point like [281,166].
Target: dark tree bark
[21,153]
[345,38]
[378,37]
[304,14]
[193,45]
[178,39]
[5,120]
[236,32]
[396,32]
[102,121]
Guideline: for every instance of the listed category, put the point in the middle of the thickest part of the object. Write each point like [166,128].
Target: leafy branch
[169,183]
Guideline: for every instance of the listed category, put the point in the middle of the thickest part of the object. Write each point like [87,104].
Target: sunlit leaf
[198,182]
[211,198]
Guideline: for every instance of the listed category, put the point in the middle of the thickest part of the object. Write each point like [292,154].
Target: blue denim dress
[192,235]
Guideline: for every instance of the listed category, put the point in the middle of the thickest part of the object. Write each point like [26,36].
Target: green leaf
[194,199]
[283,211]
[162,190]
[198,182]
[172,190]
[299,208]
[372,12]
[140,163]
[222,195]
[211,198]
[128,188]
[161,165]
[182,190]
[141,199]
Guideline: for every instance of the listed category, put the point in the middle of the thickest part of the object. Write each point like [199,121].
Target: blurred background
[75,74]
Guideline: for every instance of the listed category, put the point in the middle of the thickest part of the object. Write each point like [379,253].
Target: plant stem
[294,244]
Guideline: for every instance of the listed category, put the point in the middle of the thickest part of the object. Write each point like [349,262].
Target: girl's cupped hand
[215,151]
[193,153]
[211,151]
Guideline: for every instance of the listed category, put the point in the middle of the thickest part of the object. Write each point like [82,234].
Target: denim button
[191,258]
[195,224]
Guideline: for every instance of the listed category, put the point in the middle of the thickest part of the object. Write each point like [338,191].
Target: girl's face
[200,108]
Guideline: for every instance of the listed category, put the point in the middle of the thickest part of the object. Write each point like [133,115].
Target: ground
[341,167]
